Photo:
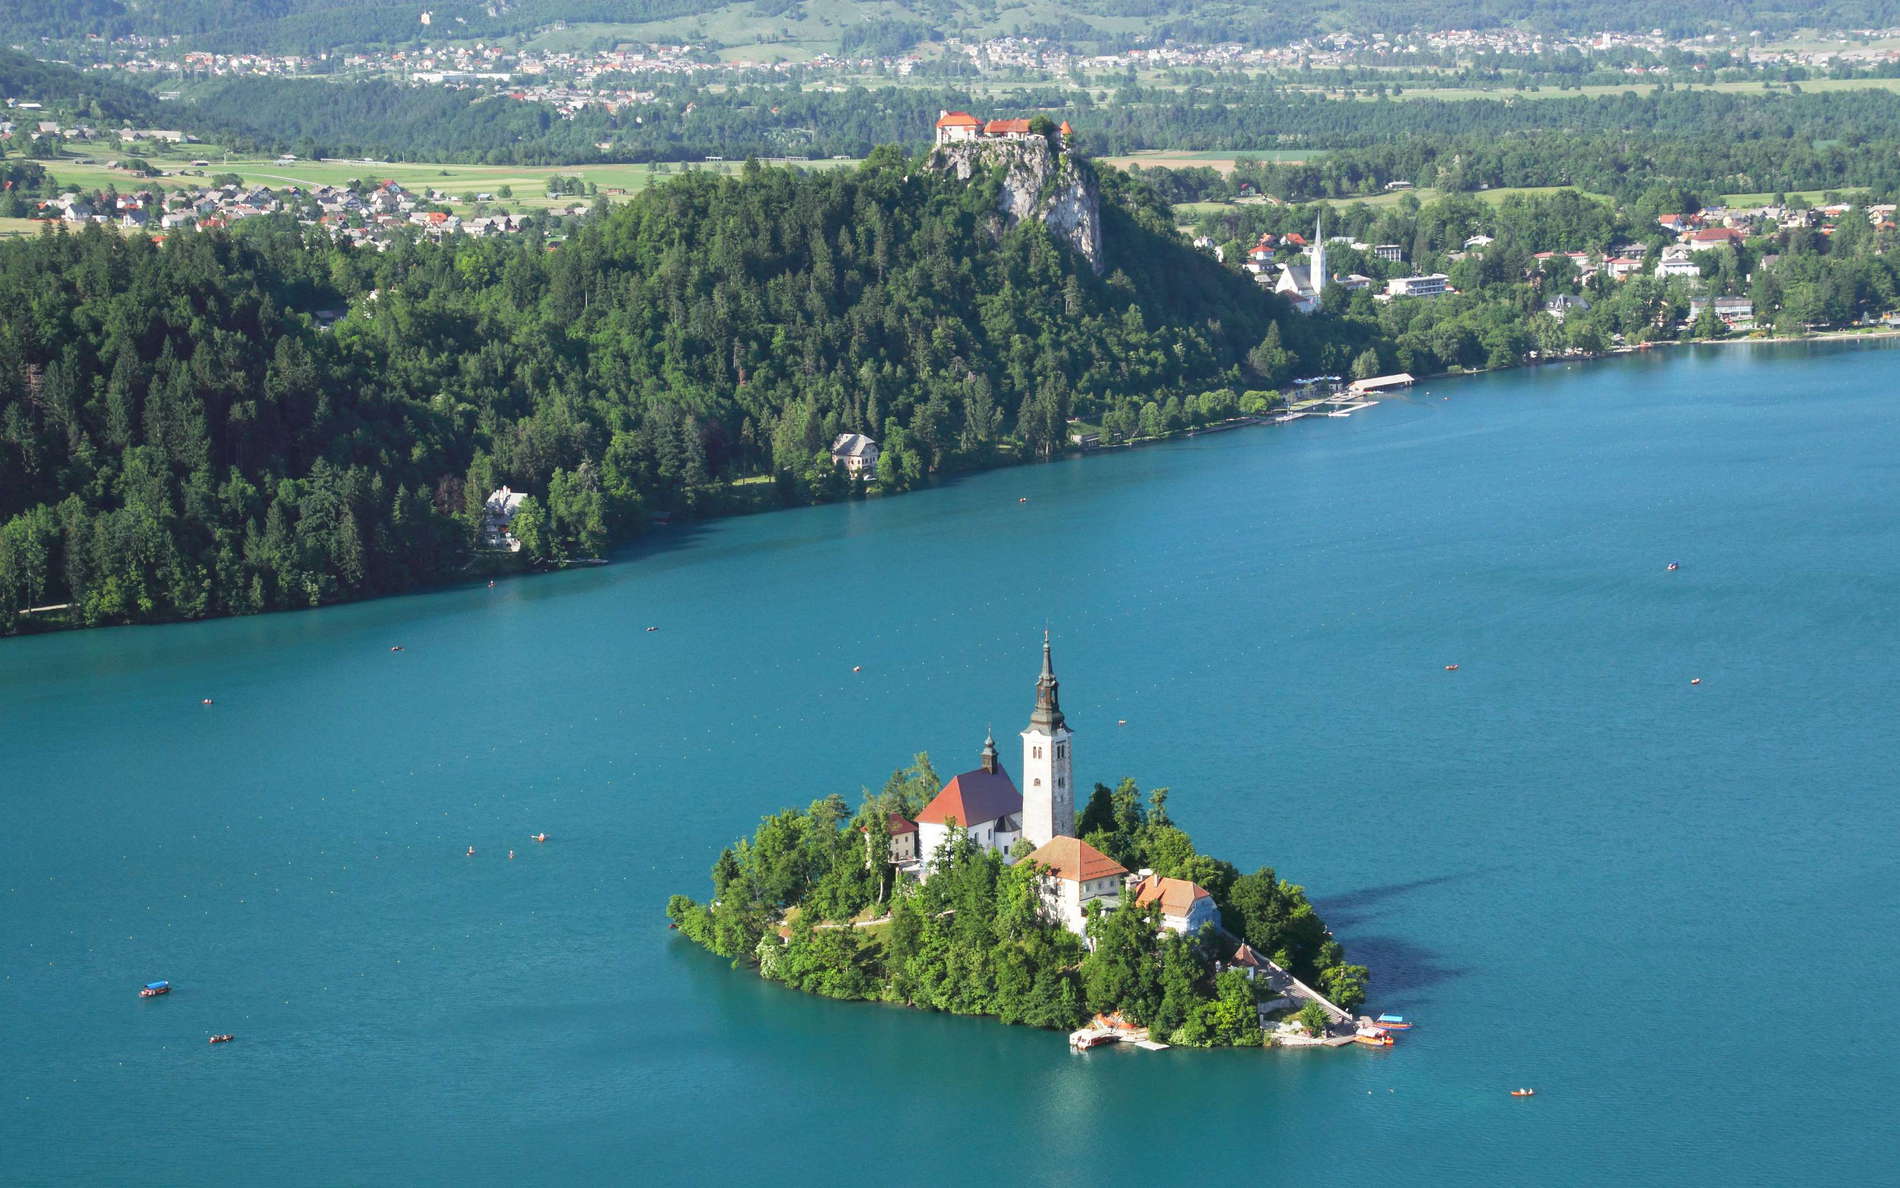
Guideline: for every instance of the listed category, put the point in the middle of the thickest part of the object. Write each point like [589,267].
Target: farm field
[12,228]
[1222,159]
[1194,210]
[528,183]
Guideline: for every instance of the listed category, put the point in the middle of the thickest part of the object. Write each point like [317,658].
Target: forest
[184,439]
[976,938]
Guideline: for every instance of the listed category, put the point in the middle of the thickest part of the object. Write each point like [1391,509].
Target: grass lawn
[1195,210]
[12,228]
[529,183]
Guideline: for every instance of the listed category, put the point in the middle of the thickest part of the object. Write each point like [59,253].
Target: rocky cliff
[1035,181]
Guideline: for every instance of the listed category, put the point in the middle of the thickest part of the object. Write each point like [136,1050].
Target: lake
[1669,908]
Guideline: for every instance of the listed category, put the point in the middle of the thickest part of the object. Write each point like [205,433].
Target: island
[975,897]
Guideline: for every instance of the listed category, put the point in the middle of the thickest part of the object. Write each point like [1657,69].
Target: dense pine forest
[183,437]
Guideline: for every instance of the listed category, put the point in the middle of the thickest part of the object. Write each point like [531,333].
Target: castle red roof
[958,119]
[973,798]
[1006,128]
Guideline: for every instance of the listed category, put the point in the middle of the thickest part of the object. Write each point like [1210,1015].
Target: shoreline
[30,626]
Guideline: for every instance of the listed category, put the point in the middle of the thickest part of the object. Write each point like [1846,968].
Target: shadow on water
[1354,906]
[1400,966]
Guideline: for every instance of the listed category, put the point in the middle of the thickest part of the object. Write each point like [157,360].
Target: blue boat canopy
[156,985]
[1391,1018]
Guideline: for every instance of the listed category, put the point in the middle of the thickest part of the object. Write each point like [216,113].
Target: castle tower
[1048,790]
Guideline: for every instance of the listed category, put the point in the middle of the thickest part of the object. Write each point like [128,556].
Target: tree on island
[1313,1017]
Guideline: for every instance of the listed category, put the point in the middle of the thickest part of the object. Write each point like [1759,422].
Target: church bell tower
[1048,789]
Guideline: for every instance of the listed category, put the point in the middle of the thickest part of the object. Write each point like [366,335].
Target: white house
[1417,286]
[1078,873]
[856,453]
[984,803]
[1677,260]
[1185,906]
[498,512]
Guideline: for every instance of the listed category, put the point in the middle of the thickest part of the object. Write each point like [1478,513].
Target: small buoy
[511,855]
[1695,680]
[1451,668]
[471,851]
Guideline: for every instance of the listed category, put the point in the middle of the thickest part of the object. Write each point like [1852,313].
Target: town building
[1390,252]
[1078,875]
[1737,313]
[856,453]
[1417,286]
[1186,907]
[1048,789]
[1677,260]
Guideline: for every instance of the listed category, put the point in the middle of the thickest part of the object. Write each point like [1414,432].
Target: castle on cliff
[953,126]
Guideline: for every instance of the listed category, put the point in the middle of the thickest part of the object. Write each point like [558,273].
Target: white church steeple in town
[1048,787]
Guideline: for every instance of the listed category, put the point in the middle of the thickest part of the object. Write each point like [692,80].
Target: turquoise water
[1668,908]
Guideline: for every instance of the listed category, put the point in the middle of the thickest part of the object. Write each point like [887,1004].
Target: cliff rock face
[1038,182]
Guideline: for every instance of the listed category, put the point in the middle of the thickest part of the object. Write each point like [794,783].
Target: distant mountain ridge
[315,25]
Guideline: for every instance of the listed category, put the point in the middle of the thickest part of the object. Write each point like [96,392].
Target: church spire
[1047,716]
[989,753]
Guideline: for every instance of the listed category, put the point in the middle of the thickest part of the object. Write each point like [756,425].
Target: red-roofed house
[1078,873]
[1185,906]
[1014,129]
[1677,223]
[957,125]
[1713,237]
[903,833]
[984,802]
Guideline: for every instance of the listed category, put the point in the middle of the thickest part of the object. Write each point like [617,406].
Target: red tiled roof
[958,119]
[1713,234]
[898,823]
[1005,127]
[972,798]
[1077,861]
[1177,896]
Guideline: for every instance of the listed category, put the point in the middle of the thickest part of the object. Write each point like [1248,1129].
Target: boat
[1674,566]
[222,1039]
[540,837]
[1523,1093]
[1091,1037]
[1451,668]
[1392,1022]
[1372,1037]
[653,629]
[1695,680]
[395,647]
[154,989]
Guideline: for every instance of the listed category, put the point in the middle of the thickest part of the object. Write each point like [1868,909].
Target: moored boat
[154,989]
[1372,1037]
[1392,1022]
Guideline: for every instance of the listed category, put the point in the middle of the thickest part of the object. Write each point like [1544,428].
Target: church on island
[986,804]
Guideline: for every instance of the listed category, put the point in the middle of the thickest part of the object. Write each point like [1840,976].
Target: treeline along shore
[259,419]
